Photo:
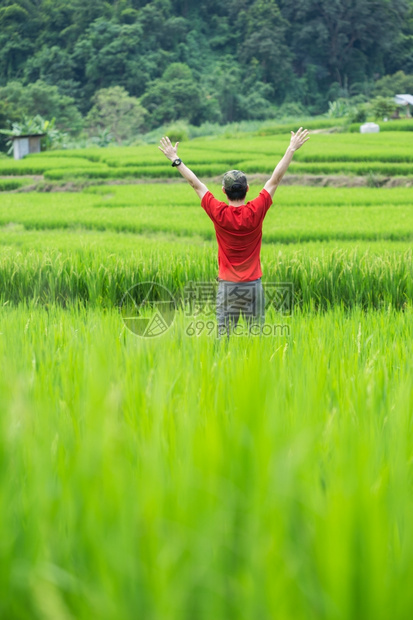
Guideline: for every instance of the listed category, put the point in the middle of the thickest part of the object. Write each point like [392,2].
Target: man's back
[239,235]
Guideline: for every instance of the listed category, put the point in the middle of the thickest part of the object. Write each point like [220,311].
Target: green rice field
[186,477]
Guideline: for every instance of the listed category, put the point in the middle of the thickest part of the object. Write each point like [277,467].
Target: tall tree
[264,32]
[336,33]
[116,111]
[173,96]
[45,100]
[19,27]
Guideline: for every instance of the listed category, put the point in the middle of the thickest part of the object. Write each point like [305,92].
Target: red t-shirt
[239,235]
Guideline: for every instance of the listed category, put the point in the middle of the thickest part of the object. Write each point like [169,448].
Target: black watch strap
[177,162]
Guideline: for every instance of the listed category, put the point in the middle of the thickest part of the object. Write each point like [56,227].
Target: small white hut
[406,100]
[25,145]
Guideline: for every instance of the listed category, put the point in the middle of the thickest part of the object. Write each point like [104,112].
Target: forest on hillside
[197,60]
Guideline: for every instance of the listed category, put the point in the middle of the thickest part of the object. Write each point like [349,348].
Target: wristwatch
[177,162]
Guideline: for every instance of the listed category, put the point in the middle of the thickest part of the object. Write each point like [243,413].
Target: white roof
[404,99]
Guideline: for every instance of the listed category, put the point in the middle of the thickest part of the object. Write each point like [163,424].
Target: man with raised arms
[238,227]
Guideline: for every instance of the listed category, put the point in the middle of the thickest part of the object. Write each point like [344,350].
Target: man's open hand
[298,139]
[171,152]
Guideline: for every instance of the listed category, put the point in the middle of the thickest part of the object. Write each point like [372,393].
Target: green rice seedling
[98,171]
[362,168]
[15,238]
[38,165]
[128,172]
[351,148]
[152,157]
[298,196]
[7,185]
[93,154]
[285,128]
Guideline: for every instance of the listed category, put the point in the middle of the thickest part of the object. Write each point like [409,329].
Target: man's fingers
[298,139]
[301,135]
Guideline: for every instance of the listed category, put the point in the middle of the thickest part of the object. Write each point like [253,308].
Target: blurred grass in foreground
[178,478]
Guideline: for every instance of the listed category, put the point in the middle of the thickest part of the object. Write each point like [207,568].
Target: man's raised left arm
[297,140]
[171,152]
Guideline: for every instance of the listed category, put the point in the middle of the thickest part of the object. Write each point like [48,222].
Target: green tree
[264,39]
[115,111]
[342,35]
[174,96]
[256,103]
[226,82]
[383,107]
[400,54]
[67,21]
[55,67]
[111,54]
[19,26]
[45,100]
[390,85]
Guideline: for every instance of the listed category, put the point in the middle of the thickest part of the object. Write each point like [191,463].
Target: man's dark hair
[237,192]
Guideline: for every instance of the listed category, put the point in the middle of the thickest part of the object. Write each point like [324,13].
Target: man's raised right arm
[171,152]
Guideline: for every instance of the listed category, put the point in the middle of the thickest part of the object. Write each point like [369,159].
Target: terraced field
[388,153]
